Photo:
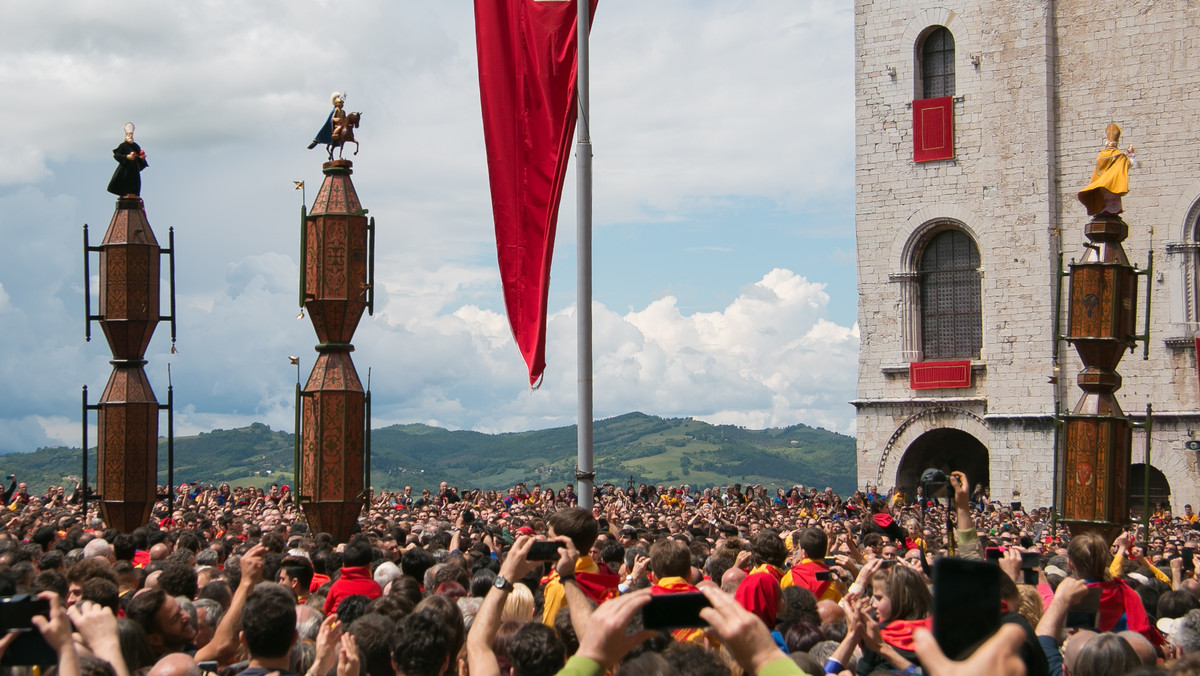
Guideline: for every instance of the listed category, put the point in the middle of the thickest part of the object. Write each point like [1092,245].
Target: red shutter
[936,375]
[933,129]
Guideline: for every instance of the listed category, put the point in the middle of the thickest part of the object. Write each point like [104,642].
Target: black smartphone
[886,563]
[543,551]
[993,553]
[966,604]
[675,611]
[830,561]
[1188,563]
[1086,613]
[1029,565]
[17,612]
[824,575]
[29,648]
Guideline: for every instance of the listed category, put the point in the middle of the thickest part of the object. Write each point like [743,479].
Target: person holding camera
[812,573]
[6,495]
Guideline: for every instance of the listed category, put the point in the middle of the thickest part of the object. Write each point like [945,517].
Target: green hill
[633,446]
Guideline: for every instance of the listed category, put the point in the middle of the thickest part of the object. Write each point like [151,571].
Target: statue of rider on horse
[338,129]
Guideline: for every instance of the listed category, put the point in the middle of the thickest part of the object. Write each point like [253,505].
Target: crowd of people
[716,581]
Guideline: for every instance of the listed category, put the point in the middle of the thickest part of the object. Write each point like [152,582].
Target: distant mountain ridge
[634,446]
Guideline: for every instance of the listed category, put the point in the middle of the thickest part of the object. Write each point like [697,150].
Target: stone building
[978,121]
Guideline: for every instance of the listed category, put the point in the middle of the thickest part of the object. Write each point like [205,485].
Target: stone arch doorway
[946,449]
[1160,488]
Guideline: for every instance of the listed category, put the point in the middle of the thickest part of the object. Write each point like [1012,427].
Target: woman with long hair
[900,603]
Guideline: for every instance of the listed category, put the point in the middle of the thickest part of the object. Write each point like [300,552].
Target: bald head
[1141,645]
[1073,645]
[97,548]
[151,581]
[731,579]
[830,611]
[1192,587]
[175,664]
[160,552]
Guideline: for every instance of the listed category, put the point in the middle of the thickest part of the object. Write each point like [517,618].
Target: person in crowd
[355,578]
[812,573]
[578,525]
[759,592]
[168,628]
[213,548]
[296,573]
[671,563]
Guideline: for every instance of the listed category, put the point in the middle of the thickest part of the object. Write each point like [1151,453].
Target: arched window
[1160,489]
[951,315]
[936,56]
[1183,275]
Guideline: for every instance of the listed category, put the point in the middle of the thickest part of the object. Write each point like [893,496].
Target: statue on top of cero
[131,160]
[1093,474]
[338,129]
[1110,176]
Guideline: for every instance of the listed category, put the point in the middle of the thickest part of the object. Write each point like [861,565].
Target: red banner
[936,375]
[527,70]
[933,129]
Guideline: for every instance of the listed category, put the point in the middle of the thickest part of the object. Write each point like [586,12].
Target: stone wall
[1029,120]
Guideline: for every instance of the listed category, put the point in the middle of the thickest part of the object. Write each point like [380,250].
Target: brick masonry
[1029,120]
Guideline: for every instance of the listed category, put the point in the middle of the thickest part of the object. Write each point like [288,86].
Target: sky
[723,243]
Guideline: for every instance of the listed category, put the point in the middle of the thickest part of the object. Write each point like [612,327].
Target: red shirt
[355,580]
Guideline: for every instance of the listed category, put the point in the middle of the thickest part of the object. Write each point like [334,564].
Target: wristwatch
[502,584]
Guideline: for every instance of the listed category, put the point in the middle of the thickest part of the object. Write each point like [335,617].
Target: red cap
[525,530]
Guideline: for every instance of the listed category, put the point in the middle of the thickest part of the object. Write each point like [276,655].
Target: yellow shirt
[554,596]
[1114,568]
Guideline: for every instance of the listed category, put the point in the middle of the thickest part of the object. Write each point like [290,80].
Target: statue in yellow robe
[1110,176]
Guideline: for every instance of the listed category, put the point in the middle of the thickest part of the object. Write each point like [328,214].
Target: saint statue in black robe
[131,160]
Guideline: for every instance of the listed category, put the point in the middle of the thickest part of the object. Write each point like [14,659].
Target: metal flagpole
[583,250]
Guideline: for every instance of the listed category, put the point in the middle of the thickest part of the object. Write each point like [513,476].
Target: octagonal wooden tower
[333,466]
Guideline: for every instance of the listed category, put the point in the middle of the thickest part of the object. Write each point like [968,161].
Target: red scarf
[599,586]
[1117,600]
[759,593]
[899,633]
[672,585]
[804,574]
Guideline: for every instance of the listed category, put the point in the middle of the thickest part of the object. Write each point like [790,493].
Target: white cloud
[25,164]
[696,108]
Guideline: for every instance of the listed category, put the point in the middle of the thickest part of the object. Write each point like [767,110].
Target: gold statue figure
[1110,176]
